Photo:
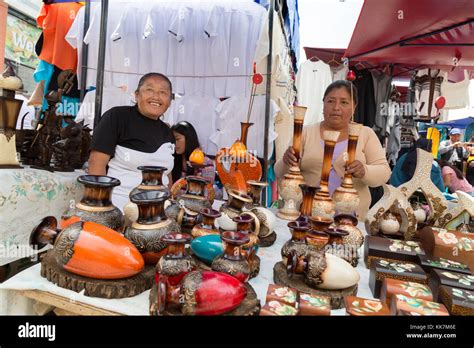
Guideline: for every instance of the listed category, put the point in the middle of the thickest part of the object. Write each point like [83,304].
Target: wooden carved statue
[65,150]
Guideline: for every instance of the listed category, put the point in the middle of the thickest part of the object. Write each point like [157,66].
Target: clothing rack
[101,66]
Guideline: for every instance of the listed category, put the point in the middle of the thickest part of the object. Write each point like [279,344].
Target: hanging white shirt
[201,113]
[92,40]
[128,47]
[232,111]
[339,72]
[282,85]
[111,97]
[311,82]
[456,94]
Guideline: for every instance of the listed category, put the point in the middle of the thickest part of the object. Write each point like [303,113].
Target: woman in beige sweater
[370,167]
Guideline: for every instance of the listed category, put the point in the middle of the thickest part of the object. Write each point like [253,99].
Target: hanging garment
[434,134]
[127,45]
[427,89]
[283,128]
[76,39]
[339,72]
[201,113]
[456,94]
[236,26]
[311,82]
[55,20]
[43,73]
[365,111]
[111,97]
[382,89]
[282,84]
[232,111]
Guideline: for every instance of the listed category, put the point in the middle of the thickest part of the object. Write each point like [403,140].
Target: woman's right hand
[289,157]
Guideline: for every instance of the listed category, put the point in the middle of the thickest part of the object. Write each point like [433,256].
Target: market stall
[30,285]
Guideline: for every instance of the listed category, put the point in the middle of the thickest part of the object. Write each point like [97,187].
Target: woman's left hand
[356,168]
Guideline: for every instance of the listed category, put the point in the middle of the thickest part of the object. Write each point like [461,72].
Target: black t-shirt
[125,126]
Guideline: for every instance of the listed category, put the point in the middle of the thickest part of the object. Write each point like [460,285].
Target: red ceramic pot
[89,249]
[206,293]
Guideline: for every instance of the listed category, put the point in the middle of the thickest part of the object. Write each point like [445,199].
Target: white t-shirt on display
[232,111]
[111,97]
[201,113]
[311,82]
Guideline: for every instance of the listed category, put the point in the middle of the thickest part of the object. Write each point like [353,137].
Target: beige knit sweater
[369,152]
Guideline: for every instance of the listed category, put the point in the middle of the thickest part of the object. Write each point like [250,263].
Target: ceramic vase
[186,206]
[96,203]
[295,250]
[266,220]
[306,208]
[289,188]
[255,191]
[323,205]
[337,247]
[152,224]
[207,225]
[232,262]
[316,237]
[231,209]
[247,225]
[173,266]
[89,249]
[345,197]
[202,293]
[152,179]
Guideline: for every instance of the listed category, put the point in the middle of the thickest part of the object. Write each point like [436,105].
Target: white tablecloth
[138,305]
[26,196]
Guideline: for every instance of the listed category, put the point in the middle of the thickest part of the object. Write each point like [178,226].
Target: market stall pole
[267,100]
[85,52]
[101,61]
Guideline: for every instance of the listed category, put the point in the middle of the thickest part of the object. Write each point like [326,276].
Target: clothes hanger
[360,64]
[313,58]
[333,60]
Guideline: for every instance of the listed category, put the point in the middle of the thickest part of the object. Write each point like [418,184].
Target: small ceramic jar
[232,262]
[296,249]
[207,225]
[96,203]
[152,224]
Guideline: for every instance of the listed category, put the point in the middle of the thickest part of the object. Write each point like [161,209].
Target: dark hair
[347,85]
[154,74]
[409,165]
[187,130]
[444,163]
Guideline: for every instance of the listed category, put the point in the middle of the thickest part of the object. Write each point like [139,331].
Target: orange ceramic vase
[89,249]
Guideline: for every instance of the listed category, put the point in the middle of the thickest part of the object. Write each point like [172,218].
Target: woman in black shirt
[131,136]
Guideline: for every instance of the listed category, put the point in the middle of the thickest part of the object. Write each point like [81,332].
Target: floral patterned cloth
[26,197]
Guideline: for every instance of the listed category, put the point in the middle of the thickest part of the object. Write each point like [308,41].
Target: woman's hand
[289,157]
[356,168]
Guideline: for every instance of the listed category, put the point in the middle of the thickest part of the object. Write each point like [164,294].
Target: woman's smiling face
[338,108]
[153,97]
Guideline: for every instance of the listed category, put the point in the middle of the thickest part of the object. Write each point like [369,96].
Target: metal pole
[407,40]
[267,101]
[104,12]
[85,51]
